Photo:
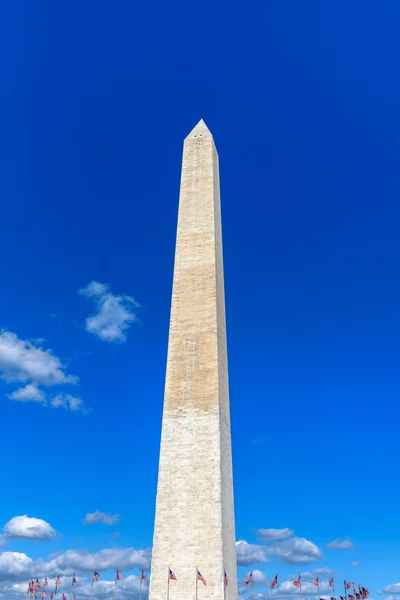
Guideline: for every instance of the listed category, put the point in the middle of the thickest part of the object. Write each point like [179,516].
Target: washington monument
[194,525]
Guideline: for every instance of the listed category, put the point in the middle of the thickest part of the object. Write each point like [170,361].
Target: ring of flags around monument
[34,587]
[359,593]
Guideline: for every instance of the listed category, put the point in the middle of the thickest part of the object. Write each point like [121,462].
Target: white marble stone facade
[194,525]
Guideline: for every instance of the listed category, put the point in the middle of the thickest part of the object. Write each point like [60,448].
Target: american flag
[316,581]
[37,584]
[31,587]
[342,597]
[358,596]
[73,579]
[331,583]
[45,581]
[58,581]
[347,585]
[297,582]
[44,594]
[95,576]
[172,575]
[249,579]
[332,598]
[226,580]
[64,597]
[274,582]
[351,597]
[119,575]
[201,578]
[51,595]
[143,576]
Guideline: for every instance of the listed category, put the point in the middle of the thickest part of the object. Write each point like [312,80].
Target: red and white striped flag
[226,580]
[73,579]
[331,583]
[45,581]
[201,578]
[44,594]
[58,581]
[172,575]
[96,576]
[316,581]
[297,582]
[143,576]
[119,575]
[274,582]
[249,578]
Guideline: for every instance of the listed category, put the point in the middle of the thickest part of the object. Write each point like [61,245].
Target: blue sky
[303,102]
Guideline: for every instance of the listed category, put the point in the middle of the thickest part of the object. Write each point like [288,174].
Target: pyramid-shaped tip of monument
[201,129]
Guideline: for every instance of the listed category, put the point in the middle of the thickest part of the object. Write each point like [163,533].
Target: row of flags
[361,594]
[34,586]
[199,577]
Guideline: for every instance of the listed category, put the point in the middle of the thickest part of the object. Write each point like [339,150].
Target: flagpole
[197,580]
[169,570]
[91,587]
[115,587]
[252,587]
[224,583]
[141,581]
[345,589]
[301,592]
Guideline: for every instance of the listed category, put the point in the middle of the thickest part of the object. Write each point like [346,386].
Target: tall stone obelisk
[194,524]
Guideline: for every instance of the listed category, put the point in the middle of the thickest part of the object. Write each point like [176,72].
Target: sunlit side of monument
[194,524]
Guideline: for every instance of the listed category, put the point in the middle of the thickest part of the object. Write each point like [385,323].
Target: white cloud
[68,402]
[297,551]
[14,564]
[288,589]
[28,528]
[21,360]
[84,561]
[259,577]
[247,554]
[113,314]
[309,575]
[356,563]
[266,535]
[100,517]
[391,589]
[27,361]
[344,544]
[28,393]
[393,598]
[16,568]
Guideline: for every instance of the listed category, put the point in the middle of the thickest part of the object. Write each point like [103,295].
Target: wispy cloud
[113,314]
[100,517]
[267,535]
[341,544]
